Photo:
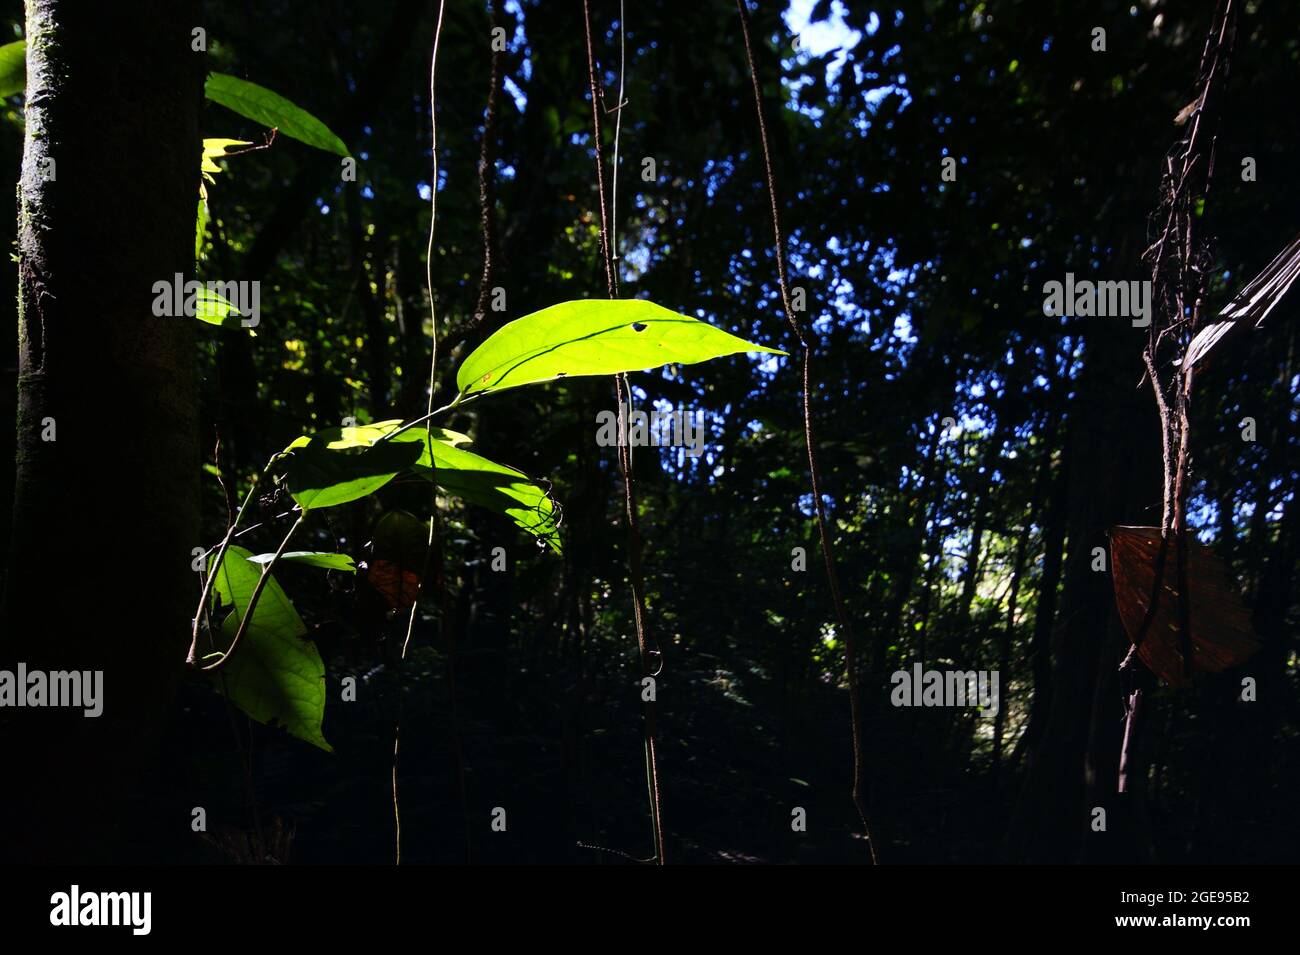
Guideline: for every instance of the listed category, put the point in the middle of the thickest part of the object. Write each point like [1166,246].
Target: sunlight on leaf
[214,149]
[475,478]
[593,337]
[215,309]
[200,227]
[275,675]
[312,558]
[13,68]
[341,465]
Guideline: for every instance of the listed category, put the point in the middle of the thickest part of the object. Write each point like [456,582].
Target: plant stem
[216,564]
[460,399]
[247,615]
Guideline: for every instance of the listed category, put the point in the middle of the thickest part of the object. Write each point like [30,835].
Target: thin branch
[246,616]
[212,572]
[618,128]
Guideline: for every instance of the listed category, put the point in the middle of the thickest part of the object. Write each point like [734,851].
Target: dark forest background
[966,547]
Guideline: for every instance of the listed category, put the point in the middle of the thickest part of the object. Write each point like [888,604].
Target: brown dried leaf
[398,586]
[398,557]
[1221,636]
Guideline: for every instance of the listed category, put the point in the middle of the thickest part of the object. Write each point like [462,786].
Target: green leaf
[593,337]
[214,308]
[214,149]
[275,676]
[217,147]
[247,99]
[13,68]
[341,465]
[480,481]
[357,436]
[200,228]
[312,558]
[483,482]
[454,438]
[271,109]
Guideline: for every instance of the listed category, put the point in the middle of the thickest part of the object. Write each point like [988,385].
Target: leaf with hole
[274,675]
[593,337]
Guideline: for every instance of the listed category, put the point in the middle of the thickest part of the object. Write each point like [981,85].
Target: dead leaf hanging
[398,558]
[1221,634]
[398,586]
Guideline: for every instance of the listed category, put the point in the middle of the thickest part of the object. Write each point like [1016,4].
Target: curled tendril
[551,518]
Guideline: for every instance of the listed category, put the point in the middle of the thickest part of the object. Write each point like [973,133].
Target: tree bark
[105,515]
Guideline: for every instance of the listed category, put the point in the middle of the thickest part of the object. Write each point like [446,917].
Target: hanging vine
[1180,262]
[623,395]
[428,420]
[827,548]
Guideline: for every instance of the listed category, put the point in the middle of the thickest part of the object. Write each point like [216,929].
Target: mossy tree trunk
[105,515]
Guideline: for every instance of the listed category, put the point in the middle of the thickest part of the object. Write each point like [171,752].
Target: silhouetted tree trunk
[1049,582]
[970,572]
[1115,482]
[981,505]
[906,568]
[105,515]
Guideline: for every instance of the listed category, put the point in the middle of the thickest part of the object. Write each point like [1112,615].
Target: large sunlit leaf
[593,337]
[341,465]
[271,109]
[275,675]
[13,68]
